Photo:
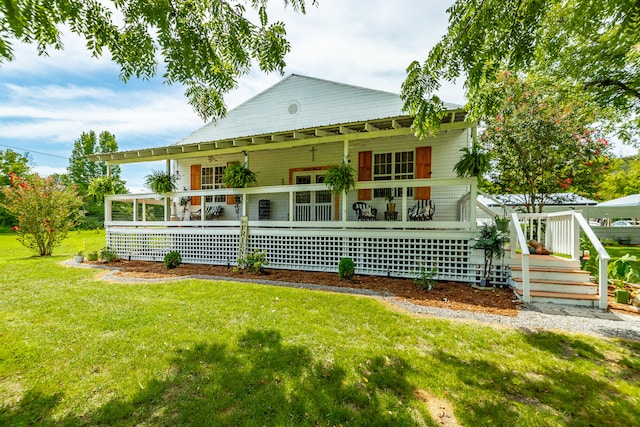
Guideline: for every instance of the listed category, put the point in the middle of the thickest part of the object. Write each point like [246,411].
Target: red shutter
[365,162]
[423,170]
[231,198]
[196,183]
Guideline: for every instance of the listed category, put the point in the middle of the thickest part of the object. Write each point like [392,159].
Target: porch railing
[560,233]
[138,209]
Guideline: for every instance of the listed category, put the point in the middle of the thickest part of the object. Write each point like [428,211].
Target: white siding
[317,103]
[272,167]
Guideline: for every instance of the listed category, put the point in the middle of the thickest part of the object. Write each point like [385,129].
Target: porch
[306,236]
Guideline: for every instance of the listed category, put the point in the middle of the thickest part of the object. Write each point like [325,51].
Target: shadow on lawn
[262,382]
[556,390]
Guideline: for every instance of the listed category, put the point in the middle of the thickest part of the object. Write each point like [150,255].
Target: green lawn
[75,350]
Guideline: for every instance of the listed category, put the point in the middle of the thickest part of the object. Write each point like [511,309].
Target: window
[391,166]
[212,179]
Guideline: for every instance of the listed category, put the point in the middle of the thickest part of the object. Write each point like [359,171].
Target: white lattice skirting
[396,253]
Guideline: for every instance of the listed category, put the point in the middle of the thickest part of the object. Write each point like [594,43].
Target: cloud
[47,170]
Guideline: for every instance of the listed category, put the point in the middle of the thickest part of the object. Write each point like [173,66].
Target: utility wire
[33,151]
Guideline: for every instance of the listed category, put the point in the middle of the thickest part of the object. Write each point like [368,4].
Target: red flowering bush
[541,144]
[46,211]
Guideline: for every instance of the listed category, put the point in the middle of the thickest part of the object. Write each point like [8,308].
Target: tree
[540,144]
[624,180]
[82,171]
[90,177]
[10,161]
[45,211]
[204,44]
[587,47]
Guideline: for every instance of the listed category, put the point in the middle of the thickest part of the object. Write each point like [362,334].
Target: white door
[312,205]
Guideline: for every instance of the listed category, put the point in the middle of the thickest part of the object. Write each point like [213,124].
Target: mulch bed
[451,295]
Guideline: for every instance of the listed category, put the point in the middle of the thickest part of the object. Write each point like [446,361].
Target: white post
[135,210]
[473,196]
[526,288]
[291,206]
[343,196]
[168,207]
[603,283]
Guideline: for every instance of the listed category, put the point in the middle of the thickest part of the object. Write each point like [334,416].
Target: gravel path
[531,317]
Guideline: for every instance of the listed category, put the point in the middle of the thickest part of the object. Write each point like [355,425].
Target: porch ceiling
[389,127]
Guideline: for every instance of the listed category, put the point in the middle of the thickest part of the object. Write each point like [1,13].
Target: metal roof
[298,110]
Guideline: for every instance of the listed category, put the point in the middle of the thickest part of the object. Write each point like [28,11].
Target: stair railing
[603,257]
[517,236]
[560,232]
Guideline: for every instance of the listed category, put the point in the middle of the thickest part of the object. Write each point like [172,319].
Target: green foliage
[586,49]
[623,179]
[161,182]
[346,268]
[107,255]
[237,175]
[492,242]
[340,179]
[254,262]
[203,44]
[540,145]
[45,211]
[424,277]
[92,256]
[102,186]
[620,270]
[473,162]
[81,171]
[10,161]
[172,260]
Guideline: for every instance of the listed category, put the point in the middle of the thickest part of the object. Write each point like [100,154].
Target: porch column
[343,196]
[245,197]
[108,170]
[168,209]
[473,204]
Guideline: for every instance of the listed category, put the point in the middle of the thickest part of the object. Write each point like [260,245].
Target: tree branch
[603,83]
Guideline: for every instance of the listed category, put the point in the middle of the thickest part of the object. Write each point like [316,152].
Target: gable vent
[294,108]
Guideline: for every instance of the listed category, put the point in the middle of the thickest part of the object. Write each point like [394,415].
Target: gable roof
[297,110]
[299,102]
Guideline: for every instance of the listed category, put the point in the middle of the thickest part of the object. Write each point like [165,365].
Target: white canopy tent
[626,201]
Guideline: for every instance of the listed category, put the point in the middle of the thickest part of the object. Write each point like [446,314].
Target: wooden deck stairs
[554,280]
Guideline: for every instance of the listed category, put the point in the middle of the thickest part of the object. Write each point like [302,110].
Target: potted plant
[473,162]
[184,202]
[391,206]
[492,243]
[339,179]
[78,257]
[237,175]
[161,182]
[502,222]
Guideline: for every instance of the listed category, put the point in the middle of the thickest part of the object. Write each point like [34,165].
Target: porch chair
[364,212]
[422,211]
[211,212]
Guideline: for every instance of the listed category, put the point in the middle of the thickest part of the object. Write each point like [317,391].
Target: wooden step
[561,298]
[562,286]
[545,261]
[558,274]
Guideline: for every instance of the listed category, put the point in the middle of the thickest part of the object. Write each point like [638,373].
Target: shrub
[425,278]
[172,260]
[255,262]
[92,256]
[107,255]
[45,209]
[346,269]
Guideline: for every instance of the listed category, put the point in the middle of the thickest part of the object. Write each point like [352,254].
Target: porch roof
[296,111]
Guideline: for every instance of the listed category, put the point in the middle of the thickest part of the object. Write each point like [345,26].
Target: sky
[47,102]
